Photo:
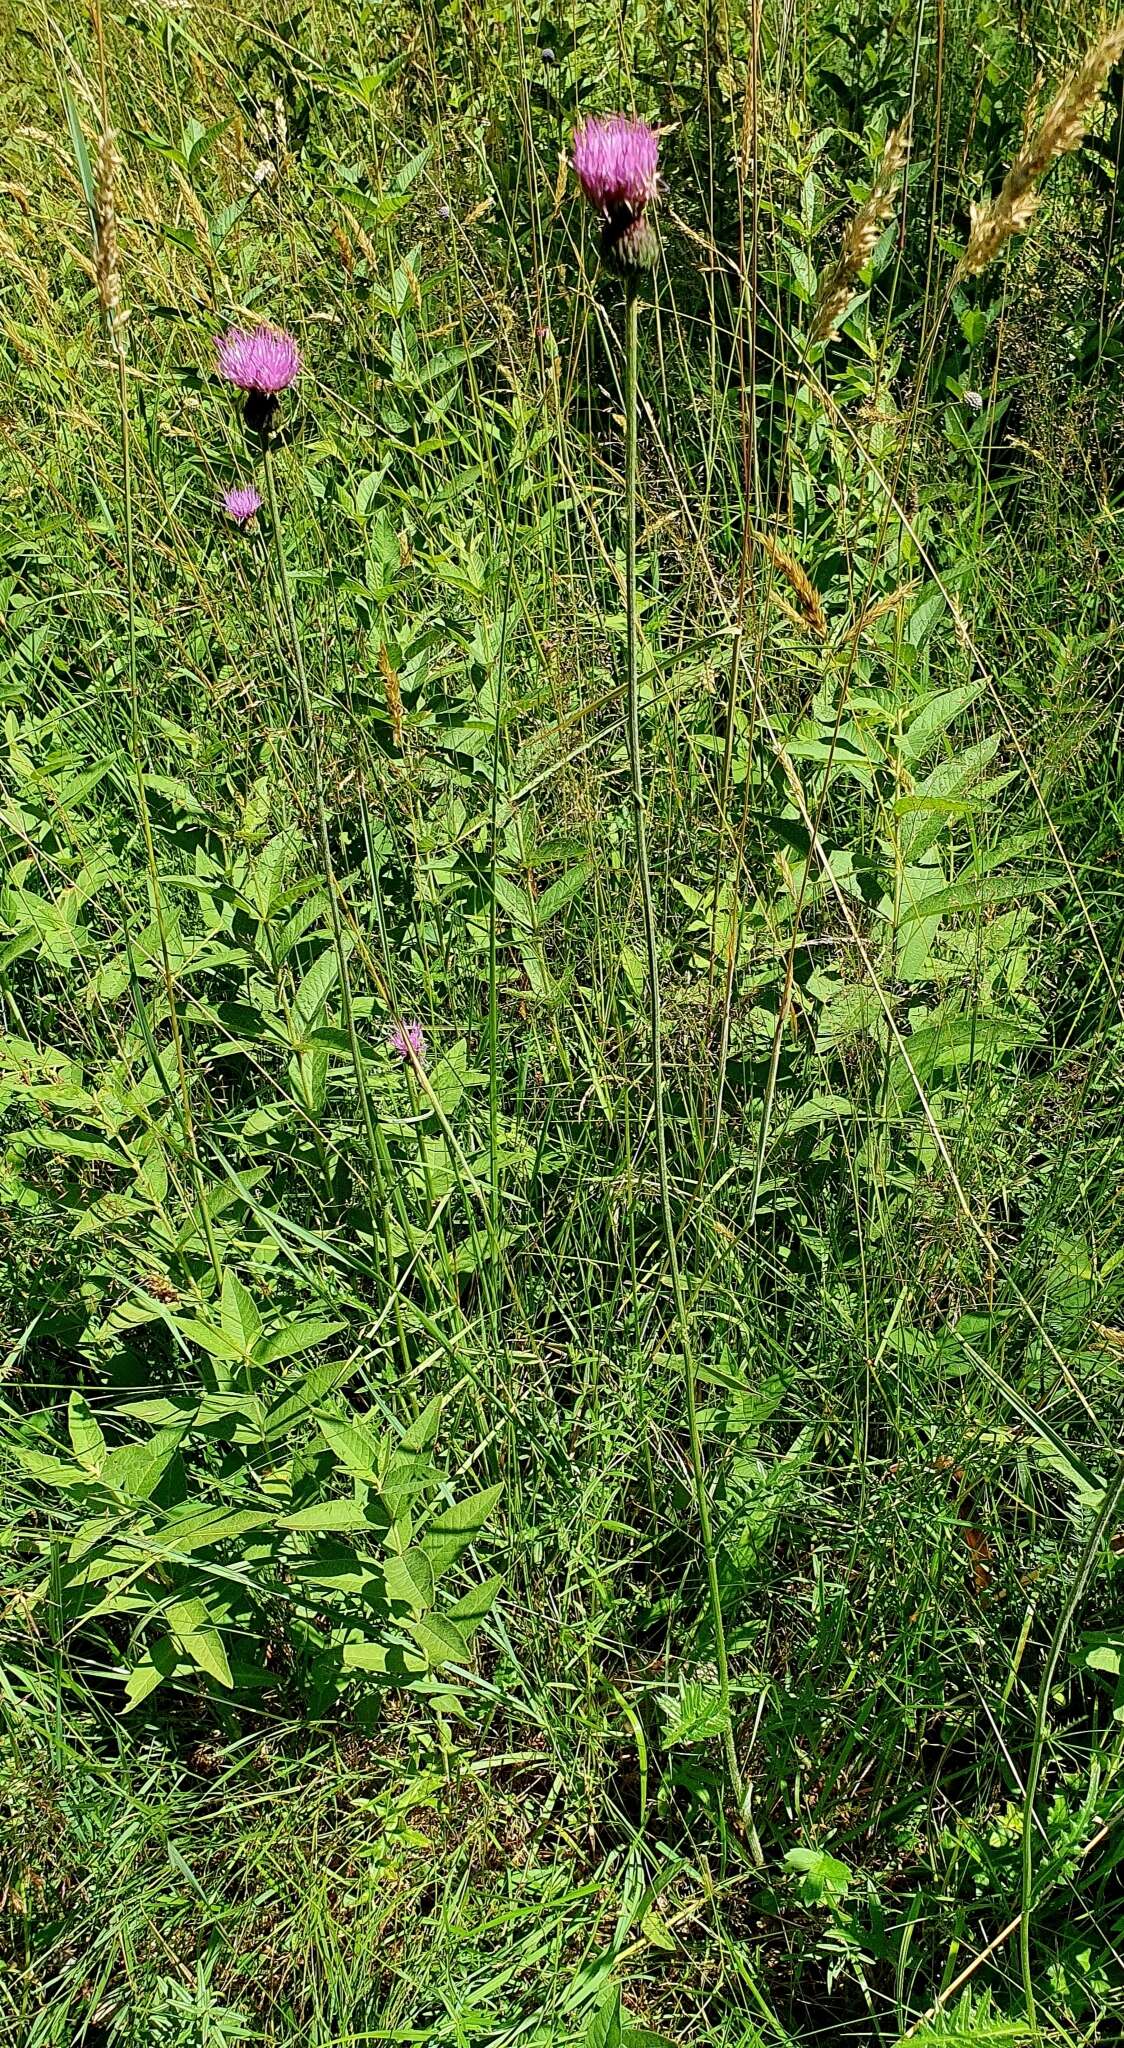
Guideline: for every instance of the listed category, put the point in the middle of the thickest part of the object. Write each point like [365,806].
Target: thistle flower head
[264,360]
[407,1039]
[241,503]
[616,159]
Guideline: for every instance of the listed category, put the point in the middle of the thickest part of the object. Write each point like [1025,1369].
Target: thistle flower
[263,359]
[241,503]
[616,159]
[262,362]
[408,1039]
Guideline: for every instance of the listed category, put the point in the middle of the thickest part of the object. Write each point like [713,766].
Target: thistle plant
[263,363]
[616,161]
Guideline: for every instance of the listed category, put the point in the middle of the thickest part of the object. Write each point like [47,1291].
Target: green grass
[360,1679]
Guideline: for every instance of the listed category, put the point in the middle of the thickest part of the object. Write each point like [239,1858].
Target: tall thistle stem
[702,1500]
[378,1161]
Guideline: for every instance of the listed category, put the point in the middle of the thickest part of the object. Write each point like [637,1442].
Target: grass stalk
[378,1162]
[702,1499]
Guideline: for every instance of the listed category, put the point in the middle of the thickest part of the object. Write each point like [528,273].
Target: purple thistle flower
[264,360]
[241,503]
[616,159]
[406,1039]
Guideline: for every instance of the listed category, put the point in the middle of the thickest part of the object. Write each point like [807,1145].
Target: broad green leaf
[51,1471]
[86,1439]
[240,1319]
[604,2029]
[327,1515]
[440,1639]
[387,1661]
[295,1338]
[423,1429]
[157,1665]
[203,1526]
[409,1580]
[313,993]
[448,1534]
[560,893]
[935,717]
[214,1342]
[823,1878]
[194,1633]
[475,1604]
[355,1448]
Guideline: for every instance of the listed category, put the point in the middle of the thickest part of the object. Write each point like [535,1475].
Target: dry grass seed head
[798,580]
[1060,132]
[860,237]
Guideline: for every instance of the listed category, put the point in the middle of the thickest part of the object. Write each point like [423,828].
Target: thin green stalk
[1102,1527]
[109,291]
[378,1161]
[631,351]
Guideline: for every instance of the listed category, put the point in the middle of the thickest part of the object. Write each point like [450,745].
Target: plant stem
[137,752]
[1102,1527]
[378,1162]
[702,1500]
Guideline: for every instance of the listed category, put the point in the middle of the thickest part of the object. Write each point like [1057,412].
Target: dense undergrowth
[360,1679]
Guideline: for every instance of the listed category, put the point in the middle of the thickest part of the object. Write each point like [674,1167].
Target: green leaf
[215,1342]
[440,1639]
[313,993]
[326,1516]
[409,1580]
[388,1662]
[355,1448]
[157,1665]
[824,1880]
[51,1471]
[423,1429]
[448,1534]
[240,1319]
[604,2029]
[86,1439]
[294,1338]
[476,1603]
[560,893]
[203,1526]
[194,1634]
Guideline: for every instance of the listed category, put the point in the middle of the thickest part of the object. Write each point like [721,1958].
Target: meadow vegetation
[562,1304]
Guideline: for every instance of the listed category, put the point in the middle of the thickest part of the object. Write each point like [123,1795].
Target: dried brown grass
[799,581]
[860,238]
[1060,132]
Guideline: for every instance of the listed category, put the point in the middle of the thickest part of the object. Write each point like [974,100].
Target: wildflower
[616,160]
[241,503]
[408,1040]
[262,362]
[266,359]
